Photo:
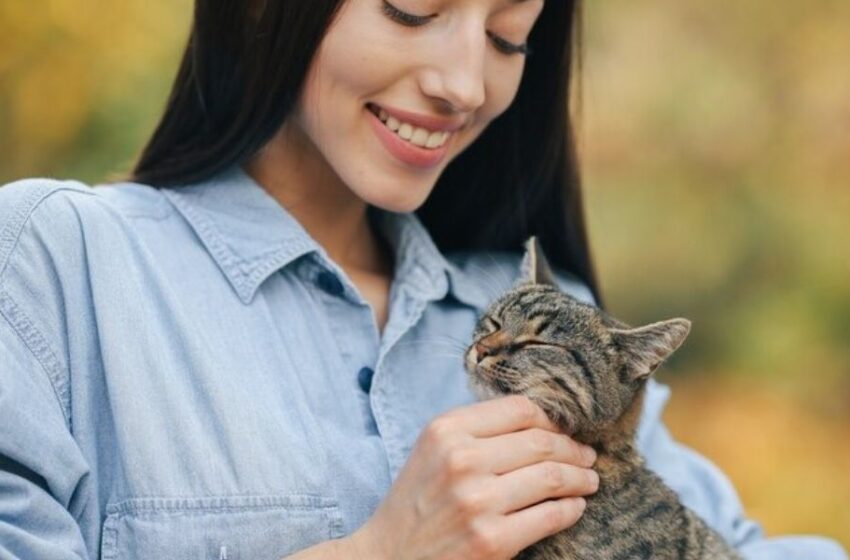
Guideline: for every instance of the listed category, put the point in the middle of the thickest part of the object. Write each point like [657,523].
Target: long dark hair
[242,73]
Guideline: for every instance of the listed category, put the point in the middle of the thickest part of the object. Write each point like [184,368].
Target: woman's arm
[41,466]
[340,549]
[705,489]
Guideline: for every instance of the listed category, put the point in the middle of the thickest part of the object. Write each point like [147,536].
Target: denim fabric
[184,374]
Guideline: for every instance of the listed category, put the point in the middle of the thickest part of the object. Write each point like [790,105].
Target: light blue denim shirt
[185,375]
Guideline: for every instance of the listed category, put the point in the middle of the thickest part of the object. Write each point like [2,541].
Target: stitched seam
[11,232]
[210,237]
[232,503]
[243,274]
[109,539]
[37,344]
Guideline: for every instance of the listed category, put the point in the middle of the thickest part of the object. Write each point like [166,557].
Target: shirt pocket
[218,528]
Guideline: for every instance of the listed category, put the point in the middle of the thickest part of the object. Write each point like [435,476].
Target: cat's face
[581,366]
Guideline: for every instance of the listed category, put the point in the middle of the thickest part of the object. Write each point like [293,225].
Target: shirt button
[364,378]
[329,283]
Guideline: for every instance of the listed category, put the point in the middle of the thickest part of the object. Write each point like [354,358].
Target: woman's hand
[475,484]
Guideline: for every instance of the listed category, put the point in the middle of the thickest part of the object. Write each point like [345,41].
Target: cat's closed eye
[490,323]
[520,344]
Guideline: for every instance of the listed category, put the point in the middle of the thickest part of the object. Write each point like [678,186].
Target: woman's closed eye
[411,20]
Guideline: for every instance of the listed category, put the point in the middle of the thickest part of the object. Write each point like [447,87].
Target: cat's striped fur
[588,371]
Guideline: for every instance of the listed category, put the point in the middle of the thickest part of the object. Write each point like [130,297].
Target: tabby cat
[588,371]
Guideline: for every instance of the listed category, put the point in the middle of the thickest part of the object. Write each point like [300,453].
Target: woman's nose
[456,74]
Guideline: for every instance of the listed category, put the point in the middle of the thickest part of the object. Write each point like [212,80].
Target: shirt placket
[388,396]
[354,333]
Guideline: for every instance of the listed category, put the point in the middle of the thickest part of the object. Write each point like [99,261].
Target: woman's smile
[413,145]
[426,90]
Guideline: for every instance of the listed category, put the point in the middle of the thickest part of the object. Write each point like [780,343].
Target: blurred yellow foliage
[789,463]
[83,78]
[716,143]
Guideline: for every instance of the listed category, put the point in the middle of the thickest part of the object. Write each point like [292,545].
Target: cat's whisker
[422,342]
[439,337]
[494,284]
[425,346]
[436,338]
[446,356]
[505,278]
[509,374]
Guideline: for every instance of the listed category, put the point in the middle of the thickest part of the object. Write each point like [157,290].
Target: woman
[247,352]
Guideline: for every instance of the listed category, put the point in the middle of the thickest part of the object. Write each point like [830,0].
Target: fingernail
[594,479]
[590,454]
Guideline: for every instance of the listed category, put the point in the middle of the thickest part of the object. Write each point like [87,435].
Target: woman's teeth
[415,135]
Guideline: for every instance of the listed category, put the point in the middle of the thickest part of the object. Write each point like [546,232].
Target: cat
[588,372]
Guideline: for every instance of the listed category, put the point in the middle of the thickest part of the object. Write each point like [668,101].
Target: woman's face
[442,81]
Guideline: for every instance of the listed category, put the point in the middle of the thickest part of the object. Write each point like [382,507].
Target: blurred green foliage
[716,142]
[716,150]
[715,138]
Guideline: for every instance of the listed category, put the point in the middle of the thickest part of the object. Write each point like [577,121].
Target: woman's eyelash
[404,17]
[412,20]
[508,47]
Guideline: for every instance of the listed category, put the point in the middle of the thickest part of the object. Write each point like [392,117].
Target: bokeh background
[715,136]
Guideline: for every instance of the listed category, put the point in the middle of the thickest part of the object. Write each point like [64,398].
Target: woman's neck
[318,199]
[291,170]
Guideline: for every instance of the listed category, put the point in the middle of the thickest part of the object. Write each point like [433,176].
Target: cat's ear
[646,347]
[535,268]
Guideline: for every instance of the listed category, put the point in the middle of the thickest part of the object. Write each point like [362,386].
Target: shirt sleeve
[41,466]
[705,489]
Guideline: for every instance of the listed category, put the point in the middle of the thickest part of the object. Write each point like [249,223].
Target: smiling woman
[449,95]
[454,68]
[251,348]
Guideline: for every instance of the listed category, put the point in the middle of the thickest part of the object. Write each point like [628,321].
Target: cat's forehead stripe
[588,374]
[540,323]
[524,300]
[530,298]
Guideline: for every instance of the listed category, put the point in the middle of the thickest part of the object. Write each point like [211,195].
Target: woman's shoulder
[24,197]
[49,217]
[494,272]
[37,212]
[19,199]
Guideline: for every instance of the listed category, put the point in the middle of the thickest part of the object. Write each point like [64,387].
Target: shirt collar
[251,236]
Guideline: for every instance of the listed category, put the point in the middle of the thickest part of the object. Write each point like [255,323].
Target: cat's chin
[485,391]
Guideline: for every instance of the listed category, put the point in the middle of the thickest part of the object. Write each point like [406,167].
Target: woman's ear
[535,268]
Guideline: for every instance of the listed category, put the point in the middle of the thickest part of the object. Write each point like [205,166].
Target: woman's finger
[523,528]
[515,450]
[499,416]
[544,481]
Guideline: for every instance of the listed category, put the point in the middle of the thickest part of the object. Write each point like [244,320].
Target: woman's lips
[423,158]
[428,122]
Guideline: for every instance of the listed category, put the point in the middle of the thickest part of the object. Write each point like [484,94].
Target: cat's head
[583,367]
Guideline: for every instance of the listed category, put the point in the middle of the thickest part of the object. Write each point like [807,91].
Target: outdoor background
[715,136]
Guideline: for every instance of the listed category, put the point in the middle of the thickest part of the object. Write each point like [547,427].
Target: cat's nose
[482,351]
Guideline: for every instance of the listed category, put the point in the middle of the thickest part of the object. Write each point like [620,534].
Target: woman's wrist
[361,545]
[345,548]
